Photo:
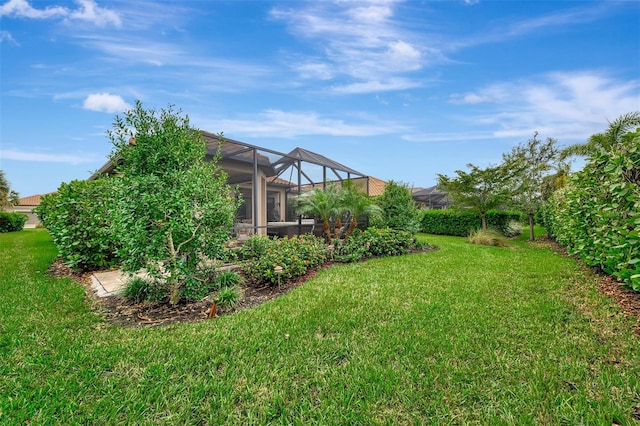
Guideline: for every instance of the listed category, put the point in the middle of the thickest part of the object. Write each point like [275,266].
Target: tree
[398,208]
[173,207]
[531,164]
[357,204]
[323,204]
[478,189]
[618,128]
[8,197]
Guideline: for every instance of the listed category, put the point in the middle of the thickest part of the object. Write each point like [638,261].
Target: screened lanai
[269,181]
[432,198]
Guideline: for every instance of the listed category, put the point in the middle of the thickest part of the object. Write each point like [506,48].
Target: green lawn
[465,334]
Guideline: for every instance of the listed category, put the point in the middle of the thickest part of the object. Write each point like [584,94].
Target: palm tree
[357,204]
[7,196]
[323,204]
[614,134]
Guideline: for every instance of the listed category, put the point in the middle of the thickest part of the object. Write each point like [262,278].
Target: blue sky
[399,90]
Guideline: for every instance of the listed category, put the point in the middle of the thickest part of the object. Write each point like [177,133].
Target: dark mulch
[121,311]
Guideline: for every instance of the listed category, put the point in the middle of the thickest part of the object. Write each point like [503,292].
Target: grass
[465,334]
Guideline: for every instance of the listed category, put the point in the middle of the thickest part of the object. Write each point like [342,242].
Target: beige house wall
[32,218]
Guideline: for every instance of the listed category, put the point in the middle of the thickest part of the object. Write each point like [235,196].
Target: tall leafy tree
[174,208]
[531,164]
[617,129]
[478,189]
[8,197]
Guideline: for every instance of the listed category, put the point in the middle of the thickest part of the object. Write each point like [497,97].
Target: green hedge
[78,217]
[597,215]
[461,222]
[12,222]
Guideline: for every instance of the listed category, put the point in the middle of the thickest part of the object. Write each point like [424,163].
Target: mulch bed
[121,311]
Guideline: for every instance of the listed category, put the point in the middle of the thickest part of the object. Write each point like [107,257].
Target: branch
[193,235]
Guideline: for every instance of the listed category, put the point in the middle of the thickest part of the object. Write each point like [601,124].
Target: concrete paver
[108,283]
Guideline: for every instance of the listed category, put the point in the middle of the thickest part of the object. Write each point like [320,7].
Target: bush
[139,289]
[487,237]
[596,216]
[296,256]
[78,217]
[228,279]
[12,222]
[398,209]
[513,229]
[228,297]
[461,222]
[374,242]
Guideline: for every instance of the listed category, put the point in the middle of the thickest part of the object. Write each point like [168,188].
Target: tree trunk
[327,231]
[532,236]
[352,227]
[338,227]
[174,296]
[483,220]
[174,284]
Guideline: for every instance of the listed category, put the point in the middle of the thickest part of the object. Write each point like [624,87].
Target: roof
[300,154]
[231,151]
[376,186]
[431,196]
[32,200]
[236,156]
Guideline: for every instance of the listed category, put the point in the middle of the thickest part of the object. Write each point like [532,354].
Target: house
[268,182]
[431,198]
[26,206]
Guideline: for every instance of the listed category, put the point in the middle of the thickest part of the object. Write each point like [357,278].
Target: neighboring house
[26,206]
[431,198]
[268,180]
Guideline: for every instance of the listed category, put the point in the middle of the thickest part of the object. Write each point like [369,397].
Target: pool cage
[269,182]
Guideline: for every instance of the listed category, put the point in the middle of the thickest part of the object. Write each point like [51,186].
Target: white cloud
[376,86]
[569,106]
[90,12]
[277,123]
[358,41]
[22,9]
[105,102]
[45,158]
[87,11]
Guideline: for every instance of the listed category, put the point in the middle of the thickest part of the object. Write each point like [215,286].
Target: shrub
[78,217]
[140,289]
[295,256]
[513,229]
[228,297]
[596,216]
[487,237]
[228,279]
[460,222]
[398,209]
[12,222]
[196,288]
[374,242]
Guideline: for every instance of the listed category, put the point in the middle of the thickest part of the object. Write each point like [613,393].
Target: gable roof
[32,200]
